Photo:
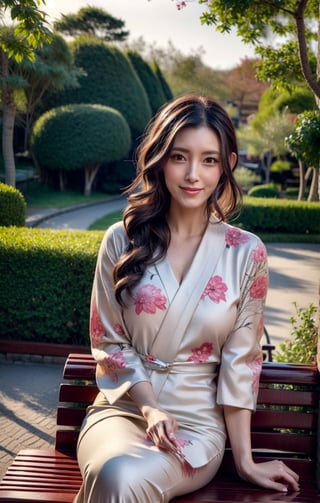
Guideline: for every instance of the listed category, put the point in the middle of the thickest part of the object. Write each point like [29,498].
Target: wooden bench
[285,426]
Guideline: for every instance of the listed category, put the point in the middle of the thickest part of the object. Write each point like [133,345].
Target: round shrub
[12,207]
[110,80]
[80,137]
[263,191]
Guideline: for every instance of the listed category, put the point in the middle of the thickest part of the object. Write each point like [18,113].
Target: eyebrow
[206,152]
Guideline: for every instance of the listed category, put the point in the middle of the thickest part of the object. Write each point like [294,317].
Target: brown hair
[148,202]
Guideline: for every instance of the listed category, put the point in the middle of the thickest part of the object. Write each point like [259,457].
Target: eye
[211,160]
[178,157]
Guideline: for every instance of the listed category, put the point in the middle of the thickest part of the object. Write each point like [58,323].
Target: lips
[192,191]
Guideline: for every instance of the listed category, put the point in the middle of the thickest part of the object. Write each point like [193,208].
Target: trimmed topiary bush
[80,137]
[149,81]
[266,190]
[164,84]
[48,280]
[110,80]
[12,206]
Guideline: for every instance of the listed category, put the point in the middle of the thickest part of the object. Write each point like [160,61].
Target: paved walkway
[29,391]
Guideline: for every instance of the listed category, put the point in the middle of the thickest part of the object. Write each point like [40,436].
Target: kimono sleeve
[241,357]
[118,365]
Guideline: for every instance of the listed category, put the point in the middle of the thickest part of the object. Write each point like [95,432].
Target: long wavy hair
[144,218]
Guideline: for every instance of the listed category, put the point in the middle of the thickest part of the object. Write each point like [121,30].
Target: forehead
[202,137]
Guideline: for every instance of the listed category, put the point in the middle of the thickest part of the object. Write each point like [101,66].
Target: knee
[113,479]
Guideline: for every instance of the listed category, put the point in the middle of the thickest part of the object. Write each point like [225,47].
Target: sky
[159,21]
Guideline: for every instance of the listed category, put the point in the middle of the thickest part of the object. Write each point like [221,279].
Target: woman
[177,292]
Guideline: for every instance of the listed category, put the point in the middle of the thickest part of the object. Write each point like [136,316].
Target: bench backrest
[284,426]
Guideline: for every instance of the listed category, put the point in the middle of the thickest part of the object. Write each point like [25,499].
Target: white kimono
[177,336]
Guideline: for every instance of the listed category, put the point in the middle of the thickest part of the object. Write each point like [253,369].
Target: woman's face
[193,168]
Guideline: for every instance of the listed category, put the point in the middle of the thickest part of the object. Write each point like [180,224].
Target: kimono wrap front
[216,321]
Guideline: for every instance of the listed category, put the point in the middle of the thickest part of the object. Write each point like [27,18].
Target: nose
[192,172]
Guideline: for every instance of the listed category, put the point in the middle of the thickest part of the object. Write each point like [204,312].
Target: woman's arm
[271,474]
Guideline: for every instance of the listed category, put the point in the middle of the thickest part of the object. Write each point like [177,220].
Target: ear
[233,160]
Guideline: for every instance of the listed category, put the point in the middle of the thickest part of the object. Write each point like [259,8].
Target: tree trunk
[61,180]
[302,181]
[267,165]
[90,173]
[313,194]
[303,51]
[8,118]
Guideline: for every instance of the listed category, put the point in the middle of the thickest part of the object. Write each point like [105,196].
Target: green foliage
[279,216]
[281,65]
[302,346]
[266,190]
[296,101]
[164,84]
[48,280]
[12,207]
[109,80]
[245,177]
[305,140]
[254,20]
[280,165]
[30,31]
[92,21]
[149,80]
[77,136]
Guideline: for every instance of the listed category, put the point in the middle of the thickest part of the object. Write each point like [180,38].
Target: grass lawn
[40,196]
[105,222]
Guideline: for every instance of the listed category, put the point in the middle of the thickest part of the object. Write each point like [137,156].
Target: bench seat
[285,426]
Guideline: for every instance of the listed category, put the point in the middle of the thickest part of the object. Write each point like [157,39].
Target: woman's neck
[187,225]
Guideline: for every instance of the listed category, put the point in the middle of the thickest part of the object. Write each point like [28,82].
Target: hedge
[46,278]
[12,206]
[279,215]
[46,275]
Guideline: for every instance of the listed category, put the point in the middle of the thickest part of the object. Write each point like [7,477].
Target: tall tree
[92,21]
[30,31]
[296,22]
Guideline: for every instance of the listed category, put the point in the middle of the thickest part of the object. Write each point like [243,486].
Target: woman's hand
[271,475]
[161,428]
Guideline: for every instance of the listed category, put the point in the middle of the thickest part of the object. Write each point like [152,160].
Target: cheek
[213,177]
[171,175]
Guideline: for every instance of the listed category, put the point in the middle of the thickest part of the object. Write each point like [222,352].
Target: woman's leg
[119,465]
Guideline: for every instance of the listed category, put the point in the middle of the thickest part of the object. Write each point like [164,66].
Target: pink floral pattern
[118,329]
[149,298]
[234,237]
[215,290]
[255,367]
[259,254]
[97,330]
[114,362]
[258,289]
[202,353]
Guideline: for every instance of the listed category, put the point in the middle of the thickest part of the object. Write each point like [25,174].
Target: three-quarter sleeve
[118,365]
[241,356]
